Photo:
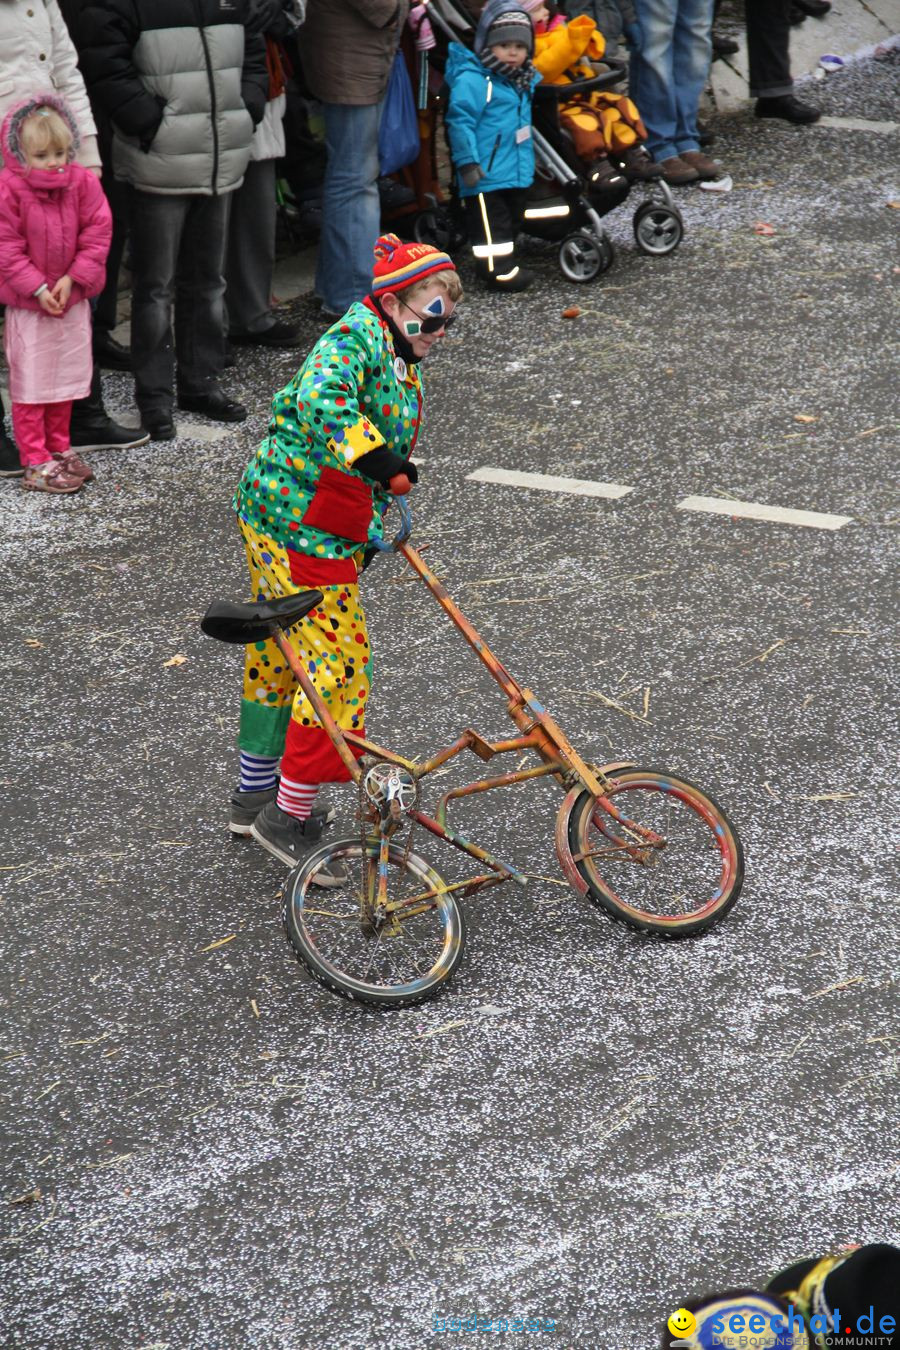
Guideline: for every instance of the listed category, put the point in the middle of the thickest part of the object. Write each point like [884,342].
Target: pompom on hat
[398,265]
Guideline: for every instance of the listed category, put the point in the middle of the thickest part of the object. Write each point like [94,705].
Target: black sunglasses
[430,323]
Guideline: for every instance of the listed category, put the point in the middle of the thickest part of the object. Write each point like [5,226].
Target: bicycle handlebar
[384,545]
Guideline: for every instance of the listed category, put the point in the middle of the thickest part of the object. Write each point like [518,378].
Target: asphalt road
[588,1126]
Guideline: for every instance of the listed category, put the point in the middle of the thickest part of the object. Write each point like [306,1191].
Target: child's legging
[41,430]
[331,641]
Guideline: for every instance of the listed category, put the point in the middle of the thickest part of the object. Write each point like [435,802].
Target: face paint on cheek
[412,328]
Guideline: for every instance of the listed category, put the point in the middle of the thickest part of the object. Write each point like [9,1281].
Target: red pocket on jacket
[342,505]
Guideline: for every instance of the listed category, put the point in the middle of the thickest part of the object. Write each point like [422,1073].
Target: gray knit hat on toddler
[513,25]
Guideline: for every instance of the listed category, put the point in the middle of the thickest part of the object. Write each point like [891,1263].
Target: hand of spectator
[48,302]
[61,291]
[421,26]
[634,36]
[95,169]
[471,174]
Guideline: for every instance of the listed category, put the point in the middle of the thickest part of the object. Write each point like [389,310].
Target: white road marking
[582,487]
[720,506]
[859,124]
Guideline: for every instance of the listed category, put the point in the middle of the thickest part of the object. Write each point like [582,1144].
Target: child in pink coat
[55,229]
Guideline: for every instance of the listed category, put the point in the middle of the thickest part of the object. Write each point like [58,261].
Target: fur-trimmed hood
[11,131]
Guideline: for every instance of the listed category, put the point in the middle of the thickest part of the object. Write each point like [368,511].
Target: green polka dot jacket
[353,394]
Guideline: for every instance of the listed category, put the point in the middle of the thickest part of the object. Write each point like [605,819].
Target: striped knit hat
[398,265]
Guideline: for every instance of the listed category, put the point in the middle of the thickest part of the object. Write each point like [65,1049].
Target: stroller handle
[605,80]
[384,545]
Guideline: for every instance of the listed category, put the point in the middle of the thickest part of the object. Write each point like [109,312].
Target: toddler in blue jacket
[488,120]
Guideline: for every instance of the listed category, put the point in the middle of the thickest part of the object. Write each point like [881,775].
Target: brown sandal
[76,467]
[51,477]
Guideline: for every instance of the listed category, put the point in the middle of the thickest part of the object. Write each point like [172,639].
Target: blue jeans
[668,76]
[351,209]
[177,256]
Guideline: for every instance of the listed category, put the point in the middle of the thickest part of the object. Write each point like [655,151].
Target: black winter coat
[184,83]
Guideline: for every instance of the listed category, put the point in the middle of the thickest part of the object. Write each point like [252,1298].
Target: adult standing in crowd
[108,352]
[670,61]
[37,55]
[347,48]
[768,54]
[184,86]
[250,257]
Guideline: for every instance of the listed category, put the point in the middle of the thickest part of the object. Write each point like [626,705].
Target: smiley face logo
[682,1324]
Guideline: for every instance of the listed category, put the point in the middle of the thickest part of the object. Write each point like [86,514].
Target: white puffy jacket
[36,53]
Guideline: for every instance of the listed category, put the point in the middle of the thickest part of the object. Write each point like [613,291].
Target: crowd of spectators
[186,112]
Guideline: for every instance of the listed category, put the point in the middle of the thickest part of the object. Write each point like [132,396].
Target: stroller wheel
[658,228]
[437,228]
[583,255]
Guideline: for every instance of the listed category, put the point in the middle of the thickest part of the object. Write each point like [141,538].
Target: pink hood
[11,151]
[52,221]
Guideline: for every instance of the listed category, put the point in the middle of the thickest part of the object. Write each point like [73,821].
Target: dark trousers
[178,256]
[250,255]
[768,40]
[493,219]
[106,308]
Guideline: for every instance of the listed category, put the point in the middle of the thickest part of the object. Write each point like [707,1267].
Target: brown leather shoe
[637,165]
[706,168]
[676,171]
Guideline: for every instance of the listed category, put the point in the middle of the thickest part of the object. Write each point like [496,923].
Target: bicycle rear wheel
[656,852]
[393,960]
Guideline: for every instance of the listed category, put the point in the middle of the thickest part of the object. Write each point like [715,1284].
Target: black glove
[380,465]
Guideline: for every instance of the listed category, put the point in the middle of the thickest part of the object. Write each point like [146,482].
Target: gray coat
[347,48]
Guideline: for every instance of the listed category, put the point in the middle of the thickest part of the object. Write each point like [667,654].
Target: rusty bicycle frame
[539,732]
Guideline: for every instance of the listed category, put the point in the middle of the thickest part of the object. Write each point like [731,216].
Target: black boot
[10,464]
[93,429]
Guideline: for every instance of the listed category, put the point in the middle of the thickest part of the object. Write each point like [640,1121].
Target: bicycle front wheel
[657,853]
[389,959]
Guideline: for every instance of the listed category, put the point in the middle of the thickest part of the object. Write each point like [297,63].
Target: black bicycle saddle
[240,624]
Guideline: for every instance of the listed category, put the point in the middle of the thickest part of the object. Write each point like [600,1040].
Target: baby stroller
[564,204]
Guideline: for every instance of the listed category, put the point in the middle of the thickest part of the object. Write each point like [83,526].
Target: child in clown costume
[310,502]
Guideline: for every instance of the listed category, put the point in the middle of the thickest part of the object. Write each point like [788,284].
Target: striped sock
[257,772]
[296,798]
